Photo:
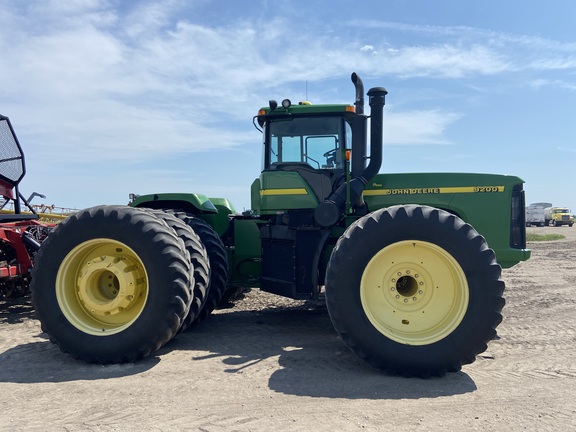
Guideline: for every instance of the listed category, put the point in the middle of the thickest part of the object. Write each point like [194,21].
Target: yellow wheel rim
[414,292]
[101,287]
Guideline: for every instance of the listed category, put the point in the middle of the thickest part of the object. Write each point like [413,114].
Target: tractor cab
[315,157]
[316,141]
[306,151]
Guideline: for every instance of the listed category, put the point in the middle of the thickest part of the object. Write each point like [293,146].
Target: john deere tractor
[410,264]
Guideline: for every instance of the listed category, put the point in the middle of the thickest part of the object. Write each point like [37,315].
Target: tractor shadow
[312,359]
[42,362]
[295,348]
[38,360]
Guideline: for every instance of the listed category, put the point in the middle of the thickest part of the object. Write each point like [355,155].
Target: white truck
[558,216]
[535,214]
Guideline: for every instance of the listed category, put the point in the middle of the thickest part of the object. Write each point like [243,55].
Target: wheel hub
[407,286]
[101,286]
[414,292]
[108,284]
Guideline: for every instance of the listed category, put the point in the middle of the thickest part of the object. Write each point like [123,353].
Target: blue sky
[112,97]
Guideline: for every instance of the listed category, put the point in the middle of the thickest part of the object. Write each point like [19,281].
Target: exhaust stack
[359,127]
[330,211]
[359,86]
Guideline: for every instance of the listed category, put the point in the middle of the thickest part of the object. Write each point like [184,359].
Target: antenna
[306,98]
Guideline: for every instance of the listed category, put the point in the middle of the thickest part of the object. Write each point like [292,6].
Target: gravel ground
[276,364]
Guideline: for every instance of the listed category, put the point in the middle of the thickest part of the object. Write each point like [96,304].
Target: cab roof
[307,108]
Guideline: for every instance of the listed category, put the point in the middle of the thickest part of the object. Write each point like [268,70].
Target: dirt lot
[271,364]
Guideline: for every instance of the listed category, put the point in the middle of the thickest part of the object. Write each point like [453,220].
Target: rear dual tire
[217,258]
[112,284]
[200,277]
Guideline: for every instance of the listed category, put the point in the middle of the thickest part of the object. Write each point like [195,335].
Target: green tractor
[410,281]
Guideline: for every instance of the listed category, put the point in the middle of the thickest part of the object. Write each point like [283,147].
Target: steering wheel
[330,153]
[330,156]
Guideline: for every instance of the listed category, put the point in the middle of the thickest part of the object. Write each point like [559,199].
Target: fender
[188,202]
[214,211]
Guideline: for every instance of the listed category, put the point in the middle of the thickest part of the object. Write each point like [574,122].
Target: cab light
[262,112]
[350,108]
[348,153]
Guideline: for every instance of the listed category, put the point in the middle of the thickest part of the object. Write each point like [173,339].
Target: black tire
[111,284]
[414,290]
[218,262]
[200,277]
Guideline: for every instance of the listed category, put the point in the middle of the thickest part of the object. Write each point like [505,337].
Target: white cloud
[94,81]
[538,83]
[417,127]
[554,63]
[446,61]
[454,51]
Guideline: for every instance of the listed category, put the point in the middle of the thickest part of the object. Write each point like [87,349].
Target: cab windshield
[315,141]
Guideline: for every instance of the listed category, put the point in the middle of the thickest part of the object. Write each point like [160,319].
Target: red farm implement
[20,231]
